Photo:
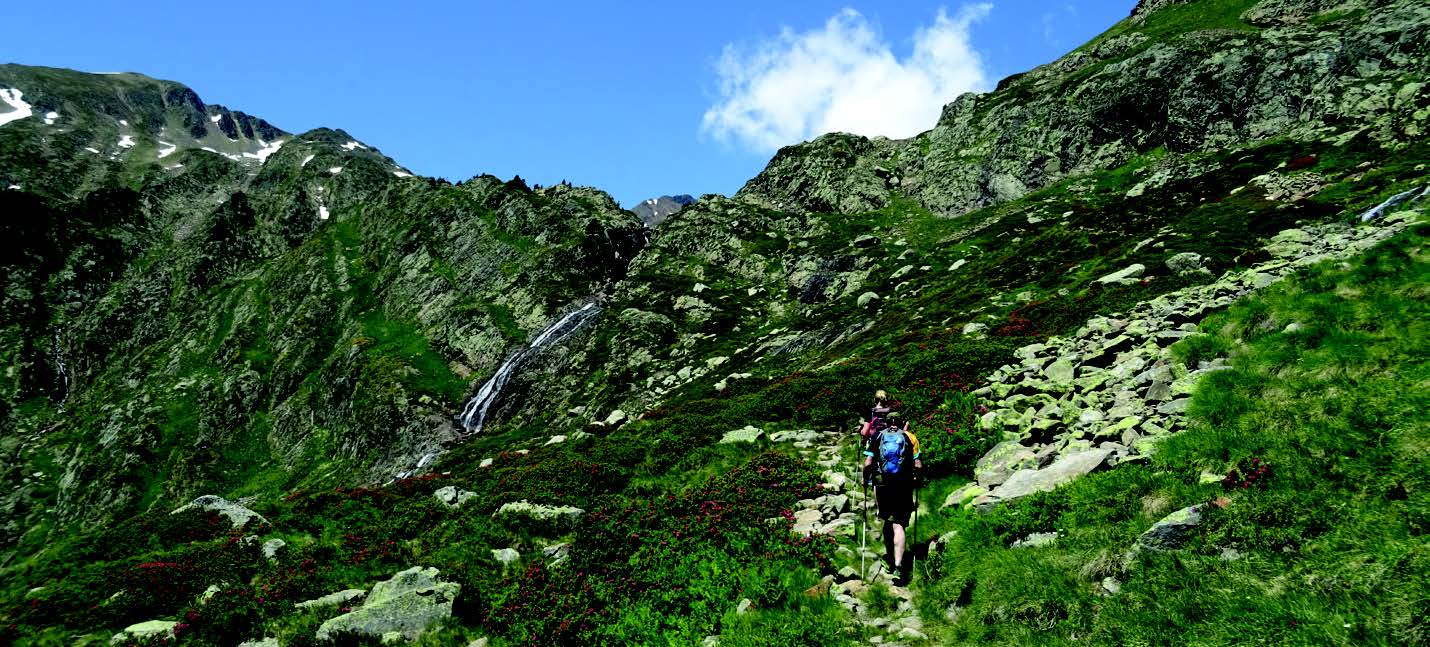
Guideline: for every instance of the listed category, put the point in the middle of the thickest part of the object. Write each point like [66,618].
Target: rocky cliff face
[1172,77]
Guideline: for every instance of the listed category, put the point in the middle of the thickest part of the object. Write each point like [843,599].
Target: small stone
[743,607]
[264,642]
[1035,540]
[909,633]
[505,556]
[272,546]
[1172,531]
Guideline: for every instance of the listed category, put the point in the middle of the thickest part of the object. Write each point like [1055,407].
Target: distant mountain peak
[654,211]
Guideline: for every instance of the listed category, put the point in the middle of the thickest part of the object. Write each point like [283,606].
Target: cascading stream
[1392,202]
[474,414]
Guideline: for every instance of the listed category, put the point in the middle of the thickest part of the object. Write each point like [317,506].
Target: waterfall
[474,414]
[60,365]
[1393,201]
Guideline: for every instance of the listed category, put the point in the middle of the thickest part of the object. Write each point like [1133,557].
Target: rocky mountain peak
[654,211]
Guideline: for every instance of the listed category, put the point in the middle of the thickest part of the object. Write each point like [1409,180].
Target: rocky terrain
[269,386]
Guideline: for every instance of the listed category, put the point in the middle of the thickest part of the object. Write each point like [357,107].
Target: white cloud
[843,78]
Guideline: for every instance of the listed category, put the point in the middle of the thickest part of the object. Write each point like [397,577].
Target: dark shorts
[896,500]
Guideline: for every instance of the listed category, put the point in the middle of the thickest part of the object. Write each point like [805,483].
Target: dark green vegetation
[1318,438]
[303,328]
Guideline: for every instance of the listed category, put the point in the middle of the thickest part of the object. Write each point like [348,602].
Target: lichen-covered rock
[334,599]
[1064,469]
[1172,531]
[1001,462]
[1126,275]
[539,512]
[747,434]
[453,497]
[272,546]
[236,514]
[408,603]
[151,629]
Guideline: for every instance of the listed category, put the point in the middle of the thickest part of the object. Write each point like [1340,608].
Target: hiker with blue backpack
[891,454]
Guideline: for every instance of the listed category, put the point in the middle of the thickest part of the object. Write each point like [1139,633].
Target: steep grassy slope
[1315,439]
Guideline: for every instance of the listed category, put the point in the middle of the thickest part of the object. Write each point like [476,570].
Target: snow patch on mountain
[126,141]
[401,174]
[306,160]
[11,96]
[336,170]
[266,150]
[322,212]
[165,152]
[353,146]
[50,118]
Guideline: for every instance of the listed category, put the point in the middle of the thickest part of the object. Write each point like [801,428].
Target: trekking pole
[857,473]
[914,530]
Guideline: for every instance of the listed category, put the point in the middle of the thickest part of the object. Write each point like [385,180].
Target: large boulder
[406,604]
[1065,469]
[1002,461]
[236,514]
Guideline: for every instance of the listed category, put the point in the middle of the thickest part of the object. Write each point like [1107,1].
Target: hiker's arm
[918,452]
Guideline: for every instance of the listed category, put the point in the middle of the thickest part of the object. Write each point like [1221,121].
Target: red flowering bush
[1249,473]
[946,420]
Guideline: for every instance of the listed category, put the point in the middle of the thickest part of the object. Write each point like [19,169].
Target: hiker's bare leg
[898,545]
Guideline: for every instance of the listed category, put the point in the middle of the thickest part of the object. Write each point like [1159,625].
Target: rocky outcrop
[401,607]
[1108,393]
[236,514]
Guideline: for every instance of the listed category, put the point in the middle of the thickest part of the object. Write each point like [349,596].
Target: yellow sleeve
[915,440]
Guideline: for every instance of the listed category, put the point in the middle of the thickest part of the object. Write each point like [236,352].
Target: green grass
[1330,539]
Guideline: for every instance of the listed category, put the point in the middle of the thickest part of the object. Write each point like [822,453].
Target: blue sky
[639,99]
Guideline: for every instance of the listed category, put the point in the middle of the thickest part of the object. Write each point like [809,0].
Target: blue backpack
[893,445]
